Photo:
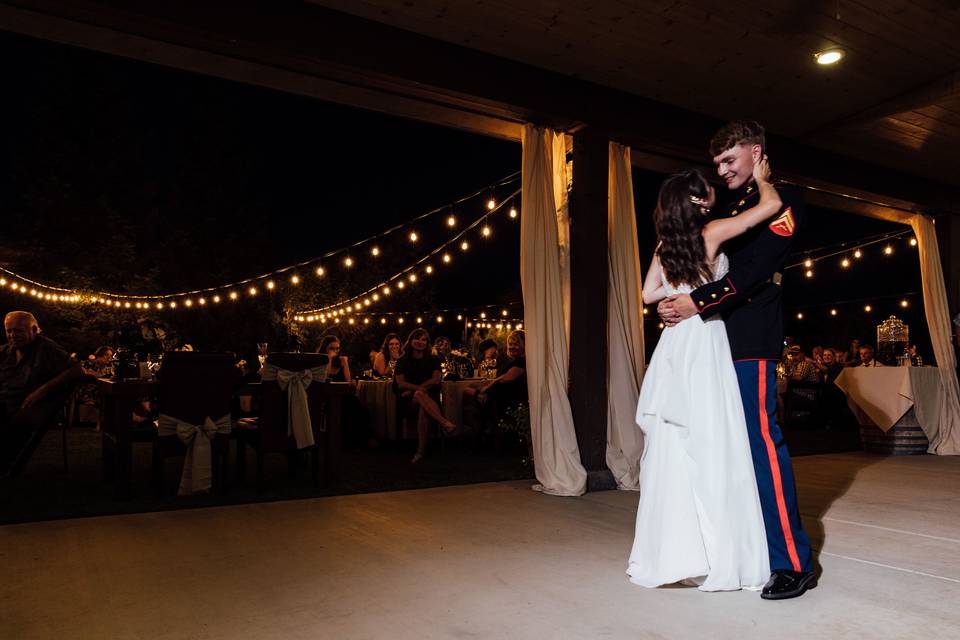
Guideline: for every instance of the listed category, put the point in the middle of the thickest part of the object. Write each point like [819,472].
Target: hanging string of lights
[252,286]
[411,274]
[851,251]
[481,316]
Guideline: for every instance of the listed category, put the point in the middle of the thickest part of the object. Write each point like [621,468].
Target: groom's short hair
[737,132]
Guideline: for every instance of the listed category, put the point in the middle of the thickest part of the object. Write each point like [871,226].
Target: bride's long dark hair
[679,222]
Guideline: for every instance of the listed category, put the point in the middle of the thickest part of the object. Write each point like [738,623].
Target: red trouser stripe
[775,469]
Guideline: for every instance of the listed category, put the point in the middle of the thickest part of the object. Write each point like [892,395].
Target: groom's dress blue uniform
[749,298]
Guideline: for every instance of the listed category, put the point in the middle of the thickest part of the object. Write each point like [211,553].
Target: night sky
[142,179]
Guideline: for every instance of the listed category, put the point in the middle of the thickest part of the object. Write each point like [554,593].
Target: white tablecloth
[452,399]
[886,394]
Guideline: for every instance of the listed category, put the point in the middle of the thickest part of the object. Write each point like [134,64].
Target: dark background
[127,177]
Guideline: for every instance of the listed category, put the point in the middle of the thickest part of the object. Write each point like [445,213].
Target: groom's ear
[756,152]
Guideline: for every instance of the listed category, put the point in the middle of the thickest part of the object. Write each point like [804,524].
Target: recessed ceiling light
[829,56]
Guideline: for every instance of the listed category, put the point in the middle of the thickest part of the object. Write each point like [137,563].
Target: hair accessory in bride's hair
[700,202]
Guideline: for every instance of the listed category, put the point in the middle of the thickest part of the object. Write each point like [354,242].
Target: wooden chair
[193,386]
[268,433]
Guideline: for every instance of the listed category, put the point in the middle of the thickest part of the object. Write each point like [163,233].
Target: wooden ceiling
[893,101]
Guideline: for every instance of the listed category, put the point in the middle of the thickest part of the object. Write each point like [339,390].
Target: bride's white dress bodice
[721,265]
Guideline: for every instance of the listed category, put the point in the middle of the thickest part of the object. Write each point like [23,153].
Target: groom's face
[735,165]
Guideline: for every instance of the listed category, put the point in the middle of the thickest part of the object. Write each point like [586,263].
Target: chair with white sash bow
[292,414]
[194,398]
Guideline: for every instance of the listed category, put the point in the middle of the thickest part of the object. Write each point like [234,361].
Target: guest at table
[866,357]
[455,366]
[916,359]
[35,373]
[802,368]
[509,388]
[89,403]
[339,368]
[488,356]
[831,368]
[386,360]
[417,380]
[853,355]
[355,417]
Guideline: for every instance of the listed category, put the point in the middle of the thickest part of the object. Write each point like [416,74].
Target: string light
[320,271]
[383,321]
[201,301]
[233,295]
[439,319]
[446,258]
[413,236]
[459,316]
[348,262]
[809,273]
[252,291]
[295,279]
[270,285]
[913,242]
[808,263]
[845,263]
[868,308]
[491,203]
[375,251]
[429,269]
[464,245]
[513,212]
[216,299]
[451,221]
[400,284]
[888,250]
[833,312]
[904,304]
[413,277]
[419,320]
[800,316]
[485,231]
[857,254]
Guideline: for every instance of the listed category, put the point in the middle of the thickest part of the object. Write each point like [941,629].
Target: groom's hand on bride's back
[676,308]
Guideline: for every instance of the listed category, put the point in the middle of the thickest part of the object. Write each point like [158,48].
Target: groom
[749,300]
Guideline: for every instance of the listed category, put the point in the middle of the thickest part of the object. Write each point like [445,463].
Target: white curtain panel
[545,287]
[625,360]
[946,441]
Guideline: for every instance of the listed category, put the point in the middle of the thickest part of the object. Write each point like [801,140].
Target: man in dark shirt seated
[34,375]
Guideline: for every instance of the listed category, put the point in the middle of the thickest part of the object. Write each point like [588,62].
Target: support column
[948,239]
[588,303]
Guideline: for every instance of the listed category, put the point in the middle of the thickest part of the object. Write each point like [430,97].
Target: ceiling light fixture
[829,56]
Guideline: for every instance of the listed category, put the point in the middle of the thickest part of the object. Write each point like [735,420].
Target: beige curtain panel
[625,360]
[545,281]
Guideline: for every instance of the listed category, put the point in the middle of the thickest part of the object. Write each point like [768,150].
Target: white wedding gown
[699,517]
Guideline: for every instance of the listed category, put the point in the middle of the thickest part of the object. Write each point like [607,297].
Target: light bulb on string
[216,299]
[446,258]
[350,321]
[413,277]
[483,314]
[504,313]
[857,254]
[366,302]
[201,301]
[270,285]
[845,263]
[451,221]
[419,320]
[513,212]
[252,291]
[485,231]
[868,308]
[386,291]
[400,320]
[464,245]
[320,271]
[439,319]
[159,305]
[888,250]
[375,297]
[808,263]
[429,269]
[400,284]
[904,304]
[375,251]
[913,242]
[800,316]
[295,279]
[833,312]
[809,273]
[348,262]
[173,304]
[383,321]
[660,326]
[519,326]
[233,295]
[469,325]
[188,302]
[459,317]
[413,236]
[491,203]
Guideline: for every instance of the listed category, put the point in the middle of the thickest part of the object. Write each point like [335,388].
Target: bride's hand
[761,170]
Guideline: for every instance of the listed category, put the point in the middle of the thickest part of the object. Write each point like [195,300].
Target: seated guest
[386,360]
[509,388]
[802,368]
[34,376]
[417,380]
[866,357]
[831,368]
[488,356]
[853,355]
[99,365]
[355,418]
[915,358]
[339,368]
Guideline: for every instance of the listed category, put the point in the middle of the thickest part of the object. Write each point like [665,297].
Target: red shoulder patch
[784,224]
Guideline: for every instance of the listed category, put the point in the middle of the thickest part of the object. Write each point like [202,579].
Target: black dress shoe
[785,584]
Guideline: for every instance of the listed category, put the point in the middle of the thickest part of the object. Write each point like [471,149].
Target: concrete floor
[480,561]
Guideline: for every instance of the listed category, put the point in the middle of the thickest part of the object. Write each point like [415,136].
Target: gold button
[713,295]
[701,303]
[735,212]
[726,288]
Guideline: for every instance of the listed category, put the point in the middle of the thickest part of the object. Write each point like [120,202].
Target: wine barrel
[905,438]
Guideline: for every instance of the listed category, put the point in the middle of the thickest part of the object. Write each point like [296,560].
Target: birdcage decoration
[893,338]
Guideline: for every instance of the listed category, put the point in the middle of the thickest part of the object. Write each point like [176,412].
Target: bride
[699,518]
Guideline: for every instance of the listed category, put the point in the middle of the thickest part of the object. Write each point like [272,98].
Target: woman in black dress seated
[355,418]
[509,388]
[417,381]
